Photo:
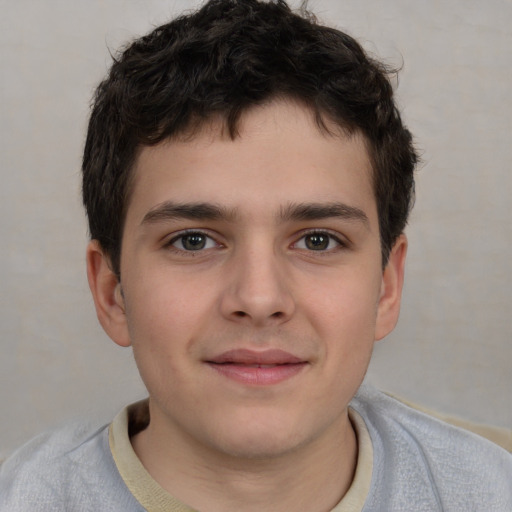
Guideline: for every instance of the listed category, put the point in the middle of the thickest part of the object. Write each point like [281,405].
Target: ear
[388,308]
[107,294]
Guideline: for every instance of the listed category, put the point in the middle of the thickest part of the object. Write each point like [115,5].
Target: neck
[313,476]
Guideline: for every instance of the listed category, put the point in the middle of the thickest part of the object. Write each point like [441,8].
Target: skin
[267,275]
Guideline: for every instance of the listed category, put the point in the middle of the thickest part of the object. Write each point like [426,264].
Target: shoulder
[70,468]
[421,456]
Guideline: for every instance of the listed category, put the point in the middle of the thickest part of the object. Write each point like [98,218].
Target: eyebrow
[170,210]
[318,211]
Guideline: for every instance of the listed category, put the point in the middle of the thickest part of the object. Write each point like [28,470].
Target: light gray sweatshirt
[419,464]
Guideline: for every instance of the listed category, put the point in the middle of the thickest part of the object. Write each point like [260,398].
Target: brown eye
[317,242]
[193,242]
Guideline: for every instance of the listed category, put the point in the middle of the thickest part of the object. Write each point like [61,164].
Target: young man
[247,180]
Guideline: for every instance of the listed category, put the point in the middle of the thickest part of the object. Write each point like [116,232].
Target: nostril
[243,314]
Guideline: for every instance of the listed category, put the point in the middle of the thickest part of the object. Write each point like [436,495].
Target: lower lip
[258,376]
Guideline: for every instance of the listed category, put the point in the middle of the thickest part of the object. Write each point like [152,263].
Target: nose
[257,289]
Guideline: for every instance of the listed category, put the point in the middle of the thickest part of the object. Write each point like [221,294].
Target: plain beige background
[453,347]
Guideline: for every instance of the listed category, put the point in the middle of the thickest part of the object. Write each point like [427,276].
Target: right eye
[193,241]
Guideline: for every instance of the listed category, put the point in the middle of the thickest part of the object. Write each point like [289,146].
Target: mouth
[254,368]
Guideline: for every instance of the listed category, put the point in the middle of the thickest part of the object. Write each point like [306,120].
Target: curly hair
[219,61]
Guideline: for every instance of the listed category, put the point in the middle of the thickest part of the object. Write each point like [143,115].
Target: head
[247,179]
[217,64]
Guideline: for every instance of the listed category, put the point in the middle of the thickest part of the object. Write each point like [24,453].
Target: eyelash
[188,233]
[340,244]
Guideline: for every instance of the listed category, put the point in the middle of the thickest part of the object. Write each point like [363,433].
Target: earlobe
[391,289]
[107,294]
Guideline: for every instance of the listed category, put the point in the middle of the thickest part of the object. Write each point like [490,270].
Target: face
[251,287]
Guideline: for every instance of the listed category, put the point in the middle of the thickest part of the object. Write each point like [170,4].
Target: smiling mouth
[253,368]
[255,365]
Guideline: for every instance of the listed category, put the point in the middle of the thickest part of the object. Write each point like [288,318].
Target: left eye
[195,241]
[318,242]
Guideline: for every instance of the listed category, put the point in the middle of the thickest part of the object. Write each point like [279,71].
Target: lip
[255,368]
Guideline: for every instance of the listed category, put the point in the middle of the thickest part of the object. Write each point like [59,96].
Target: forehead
[280,156]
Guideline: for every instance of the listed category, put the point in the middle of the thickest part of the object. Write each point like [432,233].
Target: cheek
[344,317]
[161,345]
[161,304]
[162,322]
[346,307]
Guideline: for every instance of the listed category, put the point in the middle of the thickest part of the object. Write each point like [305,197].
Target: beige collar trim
[355,497]
[139,482]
